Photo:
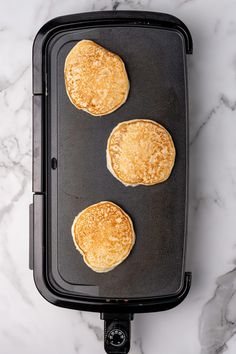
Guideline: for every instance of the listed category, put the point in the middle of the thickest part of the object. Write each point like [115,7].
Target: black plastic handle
[117,332]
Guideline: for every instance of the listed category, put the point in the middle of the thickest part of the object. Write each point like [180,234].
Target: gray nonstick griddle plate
[155,62]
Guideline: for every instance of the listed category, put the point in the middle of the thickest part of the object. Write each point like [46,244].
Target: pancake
[95,78]
[103,233]
[140,151]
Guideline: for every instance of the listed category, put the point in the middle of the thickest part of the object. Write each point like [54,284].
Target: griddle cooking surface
[155,62]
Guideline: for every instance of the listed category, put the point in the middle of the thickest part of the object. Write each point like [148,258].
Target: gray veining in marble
[206,322]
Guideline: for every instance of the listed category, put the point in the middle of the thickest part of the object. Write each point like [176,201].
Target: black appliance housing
[69,169]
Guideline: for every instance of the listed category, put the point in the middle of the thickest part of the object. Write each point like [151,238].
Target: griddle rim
[48,290]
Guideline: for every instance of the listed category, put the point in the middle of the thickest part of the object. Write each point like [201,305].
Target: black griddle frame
[117,313]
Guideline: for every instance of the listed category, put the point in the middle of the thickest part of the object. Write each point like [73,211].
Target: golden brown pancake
[140,151]
[95,78]
[103,233]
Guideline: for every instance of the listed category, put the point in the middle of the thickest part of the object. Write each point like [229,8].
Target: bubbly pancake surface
[103,233]
[140,151]
[95,78]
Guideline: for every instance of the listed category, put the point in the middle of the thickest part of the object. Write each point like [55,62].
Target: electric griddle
[70,173]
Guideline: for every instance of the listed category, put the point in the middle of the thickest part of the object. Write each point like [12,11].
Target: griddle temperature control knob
[117,332]
[116,337]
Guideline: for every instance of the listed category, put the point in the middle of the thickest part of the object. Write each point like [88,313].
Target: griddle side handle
[38,144]
[117,332]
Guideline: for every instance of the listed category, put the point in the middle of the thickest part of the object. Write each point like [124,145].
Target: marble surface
[205,323]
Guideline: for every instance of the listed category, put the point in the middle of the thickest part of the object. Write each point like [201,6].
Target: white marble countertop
[206,321]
